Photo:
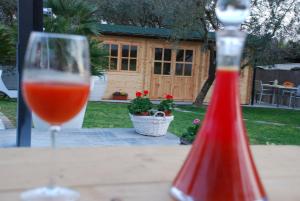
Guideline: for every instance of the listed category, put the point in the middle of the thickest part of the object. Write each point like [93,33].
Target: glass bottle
[220,166]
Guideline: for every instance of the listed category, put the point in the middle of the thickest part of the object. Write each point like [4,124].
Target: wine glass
[55,83]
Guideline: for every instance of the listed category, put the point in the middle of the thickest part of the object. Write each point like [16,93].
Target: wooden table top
[133,173]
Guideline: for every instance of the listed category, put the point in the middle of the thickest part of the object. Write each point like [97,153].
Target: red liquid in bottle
[220,166]
[55,102]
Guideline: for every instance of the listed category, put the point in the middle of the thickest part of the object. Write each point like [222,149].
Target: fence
[281,75]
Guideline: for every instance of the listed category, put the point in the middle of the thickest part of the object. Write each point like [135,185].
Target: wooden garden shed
[146,58]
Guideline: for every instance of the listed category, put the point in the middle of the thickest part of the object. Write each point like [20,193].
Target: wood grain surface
[132,173]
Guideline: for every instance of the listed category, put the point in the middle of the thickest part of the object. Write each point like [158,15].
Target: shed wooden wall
[246,77]
[131,82]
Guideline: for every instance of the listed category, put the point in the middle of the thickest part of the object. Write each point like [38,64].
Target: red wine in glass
[55,102]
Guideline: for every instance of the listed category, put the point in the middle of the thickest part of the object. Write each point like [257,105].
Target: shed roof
[148,32]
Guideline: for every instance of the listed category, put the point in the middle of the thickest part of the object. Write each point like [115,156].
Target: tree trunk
[210,79]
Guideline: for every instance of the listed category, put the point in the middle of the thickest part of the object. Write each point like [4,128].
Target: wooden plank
[128,82]
[249,84]
[130,192]
[134,173]
[144,66]
[182,87]
[197,71]
[99,166]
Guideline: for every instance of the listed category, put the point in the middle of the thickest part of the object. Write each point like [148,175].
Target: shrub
[78,17]
[189,136]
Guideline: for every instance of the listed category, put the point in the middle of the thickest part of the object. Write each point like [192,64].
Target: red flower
[146,92]
[138,94]
[169,97]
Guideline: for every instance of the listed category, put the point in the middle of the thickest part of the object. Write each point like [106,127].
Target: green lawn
[9,109]
[109,115]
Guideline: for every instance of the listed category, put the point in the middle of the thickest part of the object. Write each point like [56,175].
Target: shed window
[122,57]
[162,63]
[184,62]
[113,50]
[129,56]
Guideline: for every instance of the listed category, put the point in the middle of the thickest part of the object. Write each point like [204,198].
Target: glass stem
[53,131]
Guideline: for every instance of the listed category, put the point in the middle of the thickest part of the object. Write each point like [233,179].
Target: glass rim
[58,35]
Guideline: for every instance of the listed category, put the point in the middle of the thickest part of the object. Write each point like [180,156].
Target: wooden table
[133,173]
[276,90]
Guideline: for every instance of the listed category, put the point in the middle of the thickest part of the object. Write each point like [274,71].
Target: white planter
[151,125]
[76,122]
[98,87]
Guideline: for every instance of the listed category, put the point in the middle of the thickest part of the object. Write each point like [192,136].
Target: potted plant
[145,119]
[167,105]
[189,136]
[118,95]
[99,63]
[141,105]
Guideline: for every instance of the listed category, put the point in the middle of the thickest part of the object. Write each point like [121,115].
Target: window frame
[184,62]
[112,57]
[120,57]
[173,60]
[128,58]
[162,61]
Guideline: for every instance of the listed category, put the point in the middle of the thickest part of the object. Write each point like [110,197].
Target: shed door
[172,73]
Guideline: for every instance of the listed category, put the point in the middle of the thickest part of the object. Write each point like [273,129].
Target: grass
[110,115]
[9,109]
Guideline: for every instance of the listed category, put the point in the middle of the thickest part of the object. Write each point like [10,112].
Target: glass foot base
[50,194]
[179,195]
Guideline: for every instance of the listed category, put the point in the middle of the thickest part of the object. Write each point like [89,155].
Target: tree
[8,10]
[273,24]
[78,17]
[69,16]
[134,12]
[269,22]
[8,32]
[8,35]
[72,16]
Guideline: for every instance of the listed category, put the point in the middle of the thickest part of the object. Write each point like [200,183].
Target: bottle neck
[230,45]
[228,68]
